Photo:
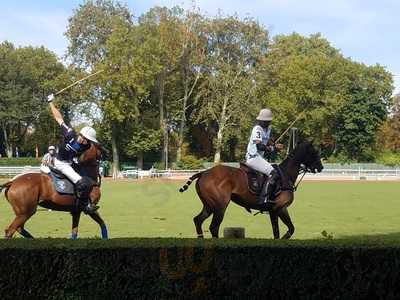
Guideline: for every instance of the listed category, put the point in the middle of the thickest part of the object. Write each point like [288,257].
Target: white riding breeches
[45,169]
[259,164]
[65,168]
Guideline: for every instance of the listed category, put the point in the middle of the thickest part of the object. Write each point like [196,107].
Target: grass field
[157,209]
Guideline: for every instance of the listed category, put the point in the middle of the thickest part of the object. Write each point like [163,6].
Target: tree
[27,74]
[228,94]
[193,49]
[304,75]
[88,32]
[341,101]
[89,28]
[358,120]
[164,27]
[388,134]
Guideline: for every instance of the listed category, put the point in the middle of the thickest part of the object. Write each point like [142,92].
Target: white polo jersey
[257,134]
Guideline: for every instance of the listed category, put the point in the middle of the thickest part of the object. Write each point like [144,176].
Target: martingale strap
[303,171]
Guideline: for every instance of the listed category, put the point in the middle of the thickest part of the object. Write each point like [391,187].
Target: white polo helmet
[51,148]
[265,115]
[89,133]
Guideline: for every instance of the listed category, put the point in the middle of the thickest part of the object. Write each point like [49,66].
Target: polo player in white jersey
[259,145]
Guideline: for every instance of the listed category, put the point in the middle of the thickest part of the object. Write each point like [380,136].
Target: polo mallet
[76,82]
[290,126]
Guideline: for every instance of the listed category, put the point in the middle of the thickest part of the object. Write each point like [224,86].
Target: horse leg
[275,224]
[22,231]
[218,216]
[75,224]
[284,216]
[103,228]
[199,219]
[17,223]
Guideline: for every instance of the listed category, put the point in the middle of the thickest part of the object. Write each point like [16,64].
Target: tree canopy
[179,83]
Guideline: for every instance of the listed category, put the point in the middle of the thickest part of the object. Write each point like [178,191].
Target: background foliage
[179,83]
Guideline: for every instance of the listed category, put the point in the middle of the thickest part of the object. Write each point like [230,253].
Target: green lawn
[157,209]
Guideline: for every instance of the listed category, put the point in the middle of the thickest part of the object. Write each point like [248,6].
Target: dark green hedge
[164,268]
[21,161]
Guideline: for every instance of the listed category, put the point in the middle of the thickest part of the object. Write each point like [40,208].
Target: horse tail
[189,182]
[6,186]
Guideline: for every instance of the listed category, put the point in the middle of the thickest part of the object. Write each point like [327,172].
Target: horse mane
[296,152]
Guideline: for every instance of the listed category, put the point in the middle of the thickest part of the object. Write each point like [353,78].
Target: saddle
[61,183]
[256,180]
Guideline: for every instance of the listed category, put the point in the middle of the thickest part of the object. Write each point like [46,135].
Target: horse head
[91,156]
[306,154]
[89,164]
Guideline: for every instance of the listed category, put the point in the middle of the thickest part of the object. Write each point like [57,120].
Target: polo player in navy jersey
[72,146]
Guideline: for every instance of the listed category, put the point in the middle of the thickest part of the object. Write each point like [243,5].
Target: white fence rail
[326,174]
[12,171]
[360,173]
[356,174]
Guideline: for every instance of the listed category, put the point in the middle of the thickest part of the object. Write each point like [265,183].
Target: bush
[190,268]
[338,159]
[389,159]
[159,165]
[20,161]
[190,162]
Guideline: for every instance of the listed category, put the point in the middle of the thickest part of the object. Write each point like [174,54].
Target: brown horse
[220,184]
[27,191]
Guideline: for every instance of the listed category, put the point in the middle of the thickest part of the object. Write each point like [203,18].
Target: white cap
[265,115]
[51,148]
[89,133]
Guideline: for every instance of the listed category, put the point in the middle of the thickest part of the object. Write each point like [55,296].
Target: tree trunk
[163,123]
[221,127]
[9,151]
[217,155]
[6,142]
[115,155]
[183,114]
[139,163]
[182,127]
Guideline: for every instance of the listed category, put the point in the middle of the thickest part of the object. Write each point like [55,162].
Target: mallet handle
[290,126]
[76,82]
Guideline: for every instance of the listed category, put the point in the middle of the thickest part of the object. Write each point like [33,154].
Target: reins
[302,171]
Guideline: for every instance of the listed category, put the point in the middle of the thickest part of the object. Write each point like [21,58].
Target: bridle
[302,171]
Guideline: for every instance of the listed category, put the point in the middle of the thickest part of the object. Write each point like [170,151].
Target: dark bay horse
[27,191]
[217,186]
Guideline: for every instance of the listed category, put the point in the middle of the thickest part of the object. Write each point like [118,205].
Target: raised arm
[55,112]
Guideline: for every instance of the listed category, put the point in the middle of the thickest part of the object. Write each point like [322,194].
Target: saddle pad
[62,185]
[255,179]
